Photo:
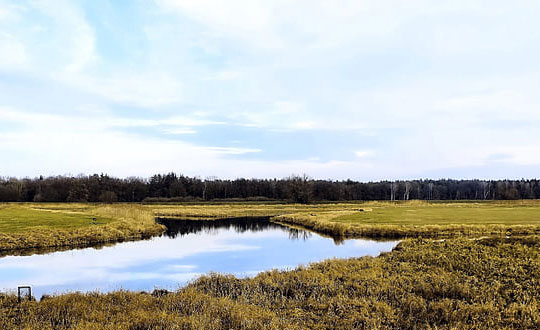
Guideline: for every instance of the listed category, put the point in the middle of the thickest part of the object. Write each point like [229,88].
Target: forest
[172,187]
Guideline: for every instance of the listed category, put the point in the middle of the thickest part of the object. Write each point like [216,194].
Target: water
[243,247]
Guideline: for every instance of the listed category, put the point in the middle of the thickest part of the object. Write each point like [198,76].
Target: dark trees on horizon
[302,189]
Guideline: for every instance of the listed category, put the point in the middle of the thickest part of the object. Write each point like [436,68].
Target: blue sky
[366,90]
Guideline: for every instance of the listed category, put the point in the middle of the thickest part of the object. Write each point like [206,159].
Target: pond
[243,247]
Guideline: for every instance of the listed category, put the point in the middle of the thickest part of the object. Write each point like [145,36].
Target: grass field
[33,225]
[17,219]
[426,219]
[422,213]
[30,226]
[375,213]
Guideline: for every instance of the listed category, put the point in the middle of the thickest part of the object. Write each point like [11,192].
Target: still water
[243,247]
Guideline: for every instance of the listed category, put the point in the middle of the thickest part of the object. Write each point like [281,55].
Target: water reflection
[184,227]
[186,251]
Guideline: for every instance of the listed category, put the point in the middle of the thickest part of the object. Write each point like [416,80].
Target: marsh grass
[423,284]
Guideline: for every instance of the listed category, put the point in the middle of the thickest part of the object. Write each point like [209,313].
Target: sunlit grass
[427,219]
[19,219]
[29,225]
[24,226]
[507,213]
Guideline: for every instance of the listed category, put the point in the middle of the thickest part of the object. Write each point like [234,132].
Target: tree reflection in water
[184,227]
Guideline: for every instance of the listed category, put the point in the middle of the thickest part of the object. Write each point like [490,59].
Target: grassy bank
[27,226]
[415,219]
[24,226]
[423,284]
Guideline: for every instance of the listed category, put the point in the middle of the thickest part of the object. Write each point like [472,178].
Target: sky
[364,89]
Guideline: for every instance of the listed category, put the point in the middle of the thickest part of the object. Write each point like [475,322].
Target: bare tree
[407,193]
[393,191]
[486,189]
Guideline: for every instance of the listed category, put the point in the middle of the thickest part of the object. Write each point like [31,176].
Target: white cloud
[318,24]
[223,75]
[281,115]
[428,85]
[12,52]
[60,144]
[179,131]
[231,150]
[62,25]
[363,153]
[140,89]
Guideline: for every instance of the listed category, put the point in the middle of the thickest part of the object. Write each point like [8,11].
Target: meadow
[460,266]
[30,226]
[49,225]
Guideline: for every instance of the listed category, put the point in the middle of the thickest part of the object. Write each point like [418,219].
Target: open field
[415,218]
[422,213]
[375,213]
[27,226]
[16,219]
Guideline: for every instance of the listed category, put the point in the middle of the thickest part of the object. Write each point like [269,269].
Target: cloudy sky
[363,89]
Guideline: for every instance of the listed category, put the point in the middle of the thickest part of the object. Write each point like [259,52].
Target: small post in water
[24,292]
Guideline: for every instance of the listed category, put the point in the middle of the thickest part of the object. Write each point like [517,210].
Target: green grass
[18,219]
[30,225]
[415,213]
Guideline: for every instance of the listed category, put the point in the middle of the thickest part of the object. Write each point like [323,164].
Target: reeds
[423,284]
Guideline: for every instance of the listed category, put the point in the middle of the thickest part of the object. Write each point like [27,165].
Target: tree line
[302,189]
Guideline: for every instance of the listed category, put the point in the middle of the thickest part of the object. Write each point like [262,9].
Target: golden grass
[423,284]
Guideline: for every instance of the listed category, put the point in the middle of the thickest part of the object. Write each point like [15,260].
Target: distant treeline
[178,188]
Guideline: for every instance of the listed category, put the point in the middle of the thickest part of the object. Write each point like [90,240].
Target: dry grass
[422,284]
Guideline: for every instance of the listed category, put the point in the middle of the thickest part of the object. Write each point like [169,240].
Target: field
[422,213]
[16,219]
[445,275]
[30,226]
[414,219]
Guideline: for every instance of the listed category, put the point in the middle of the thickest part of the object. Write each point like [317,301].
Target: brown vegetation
[423,284]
